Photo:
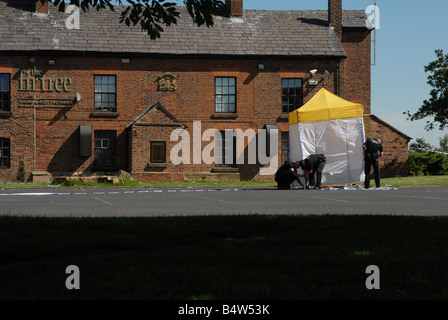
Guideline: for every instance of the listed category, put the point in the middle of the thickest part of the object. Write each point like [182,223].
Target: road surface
[114,202]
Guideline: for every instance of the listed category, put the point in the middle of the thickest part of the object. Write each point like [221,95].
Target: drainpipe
[338,79]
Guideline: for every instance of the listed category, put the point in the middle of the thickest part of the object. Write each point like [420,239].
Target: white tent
[333,126]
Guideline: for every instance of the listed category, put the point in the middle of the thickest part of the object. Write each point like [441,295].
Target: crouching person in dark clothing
[313,165]
[287,174]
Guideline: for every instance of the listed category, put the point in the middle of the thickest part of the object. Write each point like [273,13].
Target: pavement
[132,202]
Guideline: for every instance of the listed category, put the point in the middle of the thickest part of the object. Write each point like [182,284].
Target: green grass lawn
[420,181]
[225,257]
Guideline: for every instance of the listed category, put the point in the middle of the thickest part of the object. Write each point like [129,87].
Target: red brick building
[104,97]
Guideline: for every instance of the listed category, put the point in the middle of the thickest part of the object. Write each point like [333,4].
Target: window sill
[104,114]
[5,114]
[157,165]
[284,117]
[225,115]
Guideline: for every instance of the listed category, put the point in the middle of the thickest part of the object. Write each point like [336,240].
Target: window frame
[99,93]
[290,107]
[4,93]
[5,163]
[151,156]
[225,106]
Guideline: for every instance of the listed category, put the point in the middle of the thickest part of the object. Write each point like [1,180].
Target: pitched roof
[384,123]
[159,107]
[257,33]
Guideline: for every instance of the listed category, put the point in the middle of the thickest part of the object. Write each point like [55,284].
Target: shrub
[427,163]
[70,183]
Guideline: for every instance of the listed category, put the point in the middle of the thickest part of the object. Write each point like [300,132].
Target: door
[105,143]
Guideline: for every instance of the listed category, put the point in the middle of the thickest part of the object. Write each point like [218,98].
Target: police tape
[121,192]
[432,151]
[174,191]
[359,188]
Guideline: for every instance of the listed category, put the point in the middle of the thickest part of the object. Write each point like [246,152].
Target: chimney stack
[42,7]
[235,7]
[335,16]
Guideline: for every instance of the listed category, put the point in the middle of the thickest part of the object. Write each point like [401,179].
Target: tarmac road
[419,201]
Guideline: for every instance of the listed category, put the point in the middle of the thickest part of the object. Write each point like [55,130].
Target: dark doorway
[105,145]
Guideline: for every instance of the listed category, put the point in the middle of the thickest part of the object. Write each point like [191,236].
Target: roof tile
[259,32]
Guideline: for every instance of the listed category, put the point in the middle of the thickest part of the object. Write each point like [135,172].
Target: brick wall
[356,69]
[20,134]
[57,128]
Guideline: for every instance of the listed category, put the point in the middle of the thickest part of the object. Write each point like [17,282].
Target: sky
[408,35]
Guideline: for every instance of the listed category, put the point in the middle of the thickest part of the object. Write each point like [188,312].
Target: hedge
[427,163]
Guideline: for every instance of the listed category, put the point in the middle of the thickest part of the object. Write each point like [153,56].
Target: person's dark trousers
[316,176]
[284,180]
[369,162]
[319,179]
[312,179]
[319,170]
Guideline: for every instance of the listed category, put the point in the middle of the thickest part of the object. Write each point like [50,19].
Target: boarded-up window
[85,141]
[158,151]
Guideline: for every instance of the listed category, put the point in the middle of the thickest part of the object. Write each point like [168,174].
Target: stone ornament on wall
[167,82]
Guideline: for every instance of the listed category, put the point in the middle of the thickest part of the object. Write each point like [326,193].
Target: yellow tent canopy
[325,106]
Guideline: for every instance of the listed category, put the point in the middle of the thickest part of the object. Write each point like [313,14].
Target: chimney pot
[235,7]
[42,7]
